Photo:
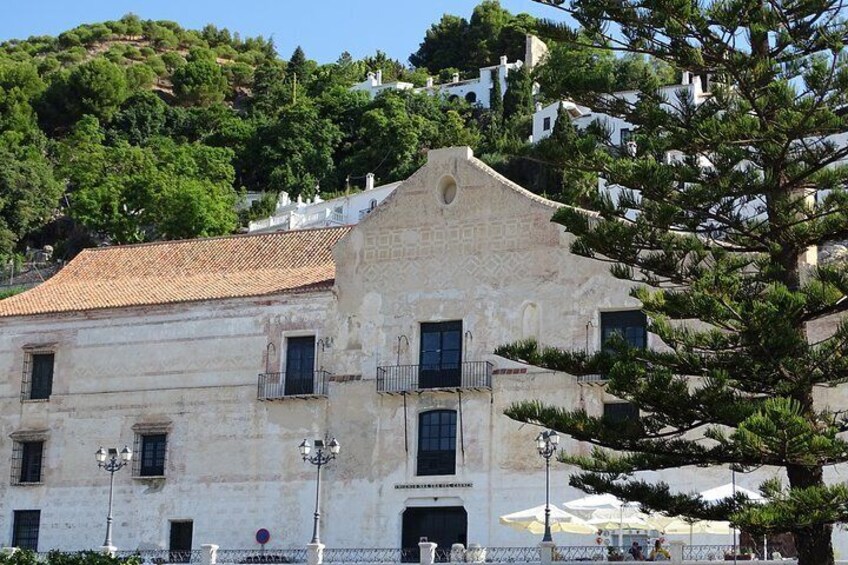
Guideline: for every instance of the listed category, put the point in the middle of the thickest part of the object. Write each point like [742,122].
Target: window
[546,124]
[471,97]
[620,412]
[300,365]
[437,443]
[180,541]
[38,376]
[630,324]
[625,135]
[25,529]
[441,355]
[26,462]
[150,451]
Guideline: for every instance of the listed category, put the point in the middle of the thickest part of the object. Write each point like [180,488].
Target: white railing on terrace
[270,222]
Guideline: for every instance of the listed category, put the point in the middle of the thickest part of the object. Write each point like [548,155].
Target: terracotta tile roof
[184,271]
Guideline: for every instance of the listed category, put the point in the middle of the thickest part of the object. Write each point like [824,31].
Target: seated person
[636,552]
[659,553]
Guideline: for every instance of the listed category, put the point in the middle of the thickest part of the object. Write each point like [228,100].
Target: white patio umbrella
[729,490]
[533,520]
[607,512]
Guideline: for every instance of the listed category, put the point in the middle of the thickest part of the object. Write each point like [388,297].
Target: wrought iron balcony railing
[277,386]
[407,378]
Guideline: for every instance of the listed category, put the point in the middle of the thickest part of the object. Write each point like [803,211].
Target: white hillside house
[545,117]
[475,91]
[343,211]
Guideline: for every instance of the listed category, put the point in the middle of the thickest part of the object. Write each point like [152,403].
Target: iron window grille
[151,450]
[37,380]
[25,529]
[437,443]
[27,459]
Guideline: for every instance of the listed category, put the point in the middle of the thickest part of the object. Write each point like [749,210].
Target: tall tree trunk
[815,545]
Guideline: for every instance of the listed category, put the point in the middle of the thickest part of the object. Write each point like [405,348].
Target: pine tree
[717,242]
[297,65]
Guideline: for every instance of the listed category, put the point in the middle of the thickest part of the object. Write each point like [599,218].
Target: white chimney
[299,201]
[379,77]
[538,106]
[503,60]
[429,82]
[455,77]
[369,181]
[686,78]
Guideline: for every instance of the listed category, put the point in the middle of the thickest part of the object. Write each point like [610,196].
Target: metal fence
[162,556]
[261,556]
[709,552]
[371,555]
[402,378]
[509,554]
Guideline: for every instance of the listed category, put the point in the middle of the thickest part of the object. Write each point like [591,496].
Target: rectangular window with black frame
[437,443]
[150,455]
[300,366]
[25,524]
[27,457]
[38,376]
[632,325]
[440,355]
[620,412]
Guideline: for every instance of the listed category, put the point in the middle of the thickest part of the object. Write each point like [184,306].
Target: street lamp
[325,451]
[111,462]
[546,445]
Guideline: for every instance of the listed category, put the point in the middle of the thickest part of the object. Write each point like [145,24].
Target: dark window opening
[631,325]
[180,541]
[152,456]
[25,529]
[471,97]
[27,461]
[443,526]
[437,443]
[625,136]
[300,365]
[620,412]
[41,376]
[546,124]
[441,355]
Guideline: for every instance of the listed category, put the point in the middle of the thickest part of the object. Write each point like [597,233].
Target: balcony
[279,386]
[592,380]
[413,378]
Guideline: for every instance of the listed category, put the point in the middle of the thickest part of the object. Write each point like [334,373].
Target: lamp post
[546,445]
[111,462]
[325,451]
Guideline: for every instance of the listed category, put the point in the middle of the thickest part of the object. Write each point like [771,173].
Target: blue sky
[323,28]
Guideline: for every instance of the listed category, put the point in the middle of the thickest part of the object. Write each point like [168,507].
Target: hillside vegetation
[137,130]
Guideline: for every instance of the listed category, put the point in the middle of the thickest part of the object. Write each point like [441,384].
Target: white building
[545,117]
[474,91]
[213,359]
[342,211]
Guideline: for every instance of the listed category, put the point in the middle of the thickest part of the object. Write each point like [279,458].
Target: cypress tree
[716,243]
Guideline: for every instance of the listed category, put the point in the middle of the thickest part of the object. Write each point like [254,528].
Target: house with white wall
[341,211]
[477,90]
[213,359]
[691,85]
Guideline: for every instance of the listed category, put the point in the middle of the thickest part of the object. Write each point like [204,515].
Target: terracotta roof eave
[305,289]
